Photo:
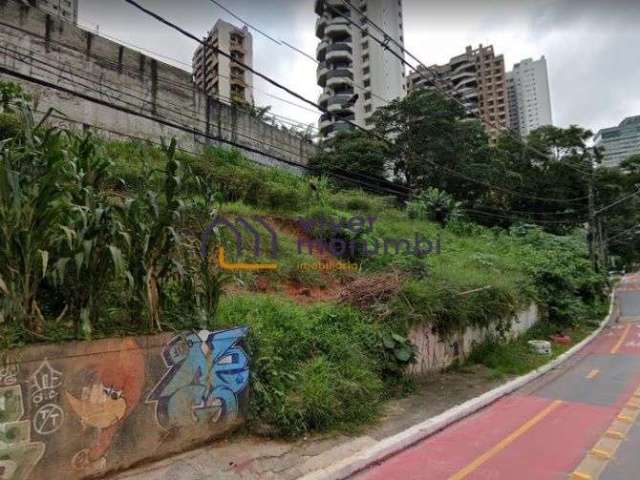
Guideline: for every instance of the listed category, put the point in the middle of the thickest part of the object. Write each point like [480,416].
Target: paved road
[580,421]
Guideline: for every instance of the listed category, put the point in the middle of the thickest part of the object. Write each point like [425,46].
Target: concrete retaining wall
[42,46]
[435,353]
[81,409]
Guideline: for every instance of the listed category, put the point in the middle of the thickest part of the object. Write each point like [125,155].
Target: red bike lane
[551,428]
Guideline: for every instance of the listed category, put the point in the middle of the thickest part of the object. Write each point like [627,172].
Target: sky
[591,46]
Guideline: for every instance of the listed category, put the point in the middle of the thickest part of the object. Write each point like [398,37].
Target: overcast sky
[592,46]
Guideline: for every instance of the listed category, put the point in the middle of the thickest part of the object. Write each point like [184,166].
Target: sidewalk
[243,457]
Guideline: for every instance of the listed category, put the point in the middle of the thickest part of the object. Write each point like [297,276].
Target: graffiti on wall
[106,393]
[44,385]
[18,454]
[206,373]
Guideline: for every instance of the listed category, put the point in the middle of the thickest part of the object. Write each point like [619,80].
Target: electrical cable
[384,44]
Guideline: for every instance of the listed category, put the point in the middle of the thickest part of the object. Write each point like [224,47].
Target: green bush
[313,368]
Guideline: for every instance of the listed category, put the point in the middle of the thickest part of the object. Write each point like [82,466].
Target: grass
[515,357]
[325,366]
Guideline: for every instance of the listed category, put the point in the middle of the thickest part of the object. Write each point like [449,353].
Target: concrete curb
[396,443]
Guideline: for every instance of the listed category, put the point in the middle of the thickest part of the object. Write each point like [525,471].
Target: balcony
[339,51]
[323,99]
[339,76]
[326,120]
[338,26]
[321,73]
[321,50]
[463,73]
[336,103]
[321,24]
[336,128]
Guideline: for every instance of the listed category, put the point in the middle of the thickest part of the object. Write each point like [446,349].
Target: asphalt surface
[579,421]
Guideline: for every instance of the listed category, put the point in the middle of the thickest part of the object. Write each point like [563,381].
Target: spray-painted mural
[109,390]
[18,453]
[207,370]
[74,411]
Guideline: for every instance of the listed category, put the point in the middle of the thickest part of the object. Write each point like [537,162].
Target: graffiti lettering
[207,371]
[48,419]
[18,454]
[8,375]
[44,383]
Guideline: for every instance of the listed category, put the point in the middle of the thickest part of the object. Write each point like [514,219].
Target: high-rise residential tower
[65,9]
[356,73]
[475,78]
[621,142]
[529,97]
[220,76]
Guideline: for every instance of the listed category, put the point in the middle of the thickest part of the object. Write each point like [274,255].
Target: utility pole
[592,232]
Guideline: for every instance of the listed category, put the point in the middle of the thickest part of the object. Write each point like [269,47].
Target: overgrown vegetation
[102,238]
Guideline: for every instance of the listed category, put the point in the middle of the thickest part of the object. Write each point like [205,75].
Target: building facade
[477,79]
[220,76]
[65,9]
[621,142]
[356,73]
[529,96]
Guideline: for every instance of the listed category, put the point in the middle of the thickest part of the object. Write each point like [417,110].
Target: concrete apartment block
[529,97]
[477,79]
[220,76]
[352,63]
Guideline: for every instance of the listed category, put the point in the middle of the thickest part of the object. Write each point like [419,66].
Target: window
[367,108]
[367,83]
[367,96]
[366,71]
[365,58]
[365,45]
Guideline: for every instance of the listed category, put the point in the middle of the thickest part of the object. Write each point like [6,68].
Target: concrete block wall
[435,352]
[42,46]
[82,409]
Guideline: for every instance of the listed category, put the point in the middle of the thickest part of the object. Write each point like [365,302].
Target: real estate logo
[342,238]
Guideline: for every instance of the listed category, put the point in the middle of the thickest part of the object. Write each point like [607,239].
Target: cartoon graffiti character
[207,371]
[111,389]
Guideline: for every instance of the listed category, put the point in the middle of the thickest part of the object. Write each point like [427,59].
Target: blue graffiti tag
[207,371]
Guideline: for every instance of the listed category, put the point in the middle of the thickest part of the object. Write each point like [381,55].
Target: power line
[292,47]
[335,173]
[189,119]
[223,53]
[375,179]
[89,25]
[384,44]
[245,22]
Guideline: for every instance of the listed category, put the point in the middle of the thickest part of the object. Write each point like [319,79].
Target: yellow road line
[622,339]
[592,374]
[597,459]
[505,442]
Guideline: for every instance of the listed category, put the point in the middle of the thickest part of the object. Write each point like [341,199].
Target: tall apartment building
[620,142]
[476,78]
[352,63]
[529,97]
[65,9]
[220,76]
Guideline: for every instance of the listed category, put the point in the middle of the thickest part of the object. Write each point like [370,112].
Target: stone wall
[80,409]
[36,44]
[435,353]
